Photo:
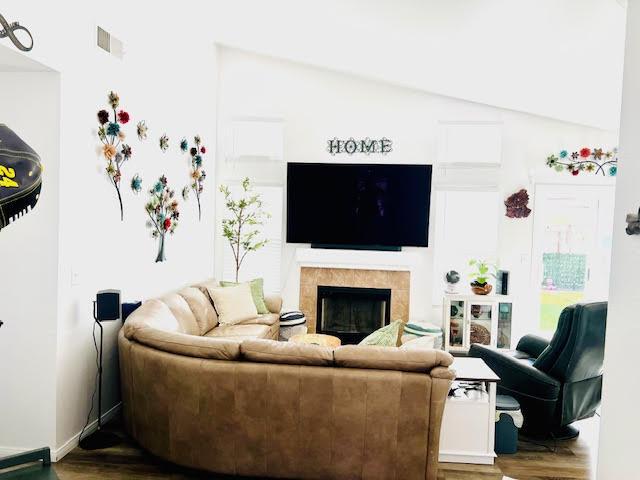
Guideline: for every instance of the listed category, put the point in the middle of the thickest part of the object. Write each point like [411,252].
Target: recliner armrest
[532,345]
[516,375]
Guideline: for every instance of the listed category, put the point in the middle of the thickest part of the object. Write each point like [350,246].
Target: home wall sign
[351,146]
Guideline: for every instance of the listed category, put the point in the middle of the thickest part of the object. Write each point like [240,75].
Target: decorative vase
[481,289]
[161,257]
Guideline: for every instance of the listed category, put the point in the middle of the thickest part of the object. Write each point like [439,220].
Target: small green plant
[482,270]
[241,227]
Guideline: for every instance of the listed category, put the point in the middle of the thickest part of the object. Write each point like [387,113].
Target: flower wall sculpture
[136,184]
[112,136]
[517,204]
[164,142]
[197,174]
[142,130]
[163,213]
[590,160]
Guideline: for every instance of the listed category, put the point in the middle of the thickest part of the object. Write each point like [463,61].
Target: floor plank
[569,460]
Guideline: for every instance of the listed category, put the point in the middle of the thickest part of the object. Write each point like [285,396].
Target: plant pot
[480,289]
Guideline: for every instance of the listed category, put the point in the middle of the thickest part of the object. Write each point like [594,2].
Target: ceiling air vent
[109,43]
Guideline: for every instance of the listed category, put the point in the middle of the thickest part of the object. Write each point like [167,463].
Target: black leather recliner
[556,382]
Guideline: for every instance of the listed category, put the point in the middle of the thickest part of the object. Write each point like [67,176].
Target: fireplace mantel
[357,259]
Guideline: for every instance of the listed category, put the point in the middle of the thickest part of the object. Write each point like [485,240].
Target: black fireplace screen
[352,313]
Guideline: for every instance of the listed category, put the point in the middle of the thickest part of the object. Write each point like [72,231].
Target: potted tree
[480,274]
[241,227]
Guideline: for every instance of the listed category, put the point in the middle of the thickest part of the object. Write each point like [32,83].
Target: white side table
[468,425]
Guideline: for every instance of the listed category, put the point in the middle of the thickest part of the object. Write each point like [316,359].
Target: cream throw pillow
[233,304]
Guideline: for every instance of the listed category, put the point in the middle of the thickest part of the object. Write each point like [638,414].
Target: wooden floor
[569,460]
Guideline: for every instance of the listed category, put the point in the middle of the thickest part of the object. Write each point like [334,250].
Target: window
[266,262]
[466,227]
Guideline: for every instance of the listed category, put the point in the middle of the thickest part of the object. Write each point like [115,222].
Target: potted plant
[242,226]
[482,270]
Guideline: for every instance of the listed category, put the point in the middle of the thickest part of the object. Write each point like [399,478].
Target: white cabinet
[482,319]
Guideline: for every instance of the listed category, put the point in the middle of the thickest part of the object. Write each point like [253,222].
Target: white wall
[317,104]
[168,80]
[29,105]
[620,422]
[561,59]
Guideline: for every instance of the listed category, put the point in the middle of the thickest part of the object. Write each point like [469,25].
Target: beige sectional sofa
[244,404]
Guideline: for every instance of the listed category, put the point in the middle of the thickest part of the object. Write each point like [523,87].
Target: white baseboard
[73,442]
[70,444]
[8,451]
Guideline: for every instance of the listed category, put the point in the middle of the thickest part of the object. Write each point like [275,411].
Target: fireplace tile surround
[312,277]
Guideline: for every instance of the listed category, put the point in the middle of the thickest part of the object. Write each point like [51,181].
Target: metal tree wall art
[162,209]
[241,227]
[115,151]
[596,160]
[197,173]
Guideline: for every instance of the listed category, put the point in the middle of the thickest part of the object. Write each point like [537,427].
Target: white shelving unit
[482,319]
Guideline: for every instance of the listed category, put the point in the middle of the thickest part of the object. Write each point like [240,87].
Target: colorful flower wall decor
[112,136]
[142,130]
[589,160]
[136,184]
[197,173]
[164,142]
[517,204]
[162,209]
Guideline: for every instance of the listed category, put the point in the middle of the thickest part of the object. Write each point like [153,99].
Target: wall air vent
[109,43]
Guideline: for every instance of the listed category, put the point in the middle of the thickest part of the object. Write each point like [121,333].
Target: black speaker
[107,306]
[502,283]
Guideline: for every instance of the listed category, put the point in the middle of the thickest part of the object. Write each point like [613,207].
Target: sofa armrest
[532,345]
[273,303]
[516,375]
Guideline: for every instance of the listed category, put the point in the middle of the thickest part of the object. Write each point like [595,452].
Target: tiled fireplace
[314,279]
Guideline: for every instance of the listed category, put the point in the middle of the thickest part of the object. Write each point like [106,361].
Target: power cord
[95,385]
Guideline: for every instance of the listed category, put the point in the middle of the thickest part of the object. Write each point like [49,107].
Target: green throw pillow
[257,292]
[385,336]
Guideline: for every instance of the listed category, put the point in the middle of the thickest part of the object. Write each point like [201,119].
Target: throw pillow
[233,304]
[386,336]
[257,292]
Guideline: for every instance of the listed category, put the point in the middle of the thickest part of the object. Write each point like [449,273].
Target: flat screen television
[363,205]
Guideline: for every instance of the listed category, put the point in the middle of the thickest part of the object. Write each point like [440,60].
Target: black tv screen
[358,204]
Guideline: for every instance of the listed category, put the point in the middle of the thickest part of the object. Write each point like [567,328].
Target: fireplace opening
[352,313]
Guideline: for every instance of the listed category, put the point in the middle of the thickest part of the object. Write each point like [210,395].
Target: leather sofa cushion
[390,358]
[205,285]
[180,309]
[271,351]
[189,345]
[152,313]
[267,319]
[201,307]
[244,331]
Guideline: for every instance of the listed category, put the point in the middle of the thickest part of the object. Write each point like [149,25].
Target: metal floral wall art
[197,173]
[112,136]
[517,204]
[142,130]
[589,160]
[136,184]
[162,209]
[164,142]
